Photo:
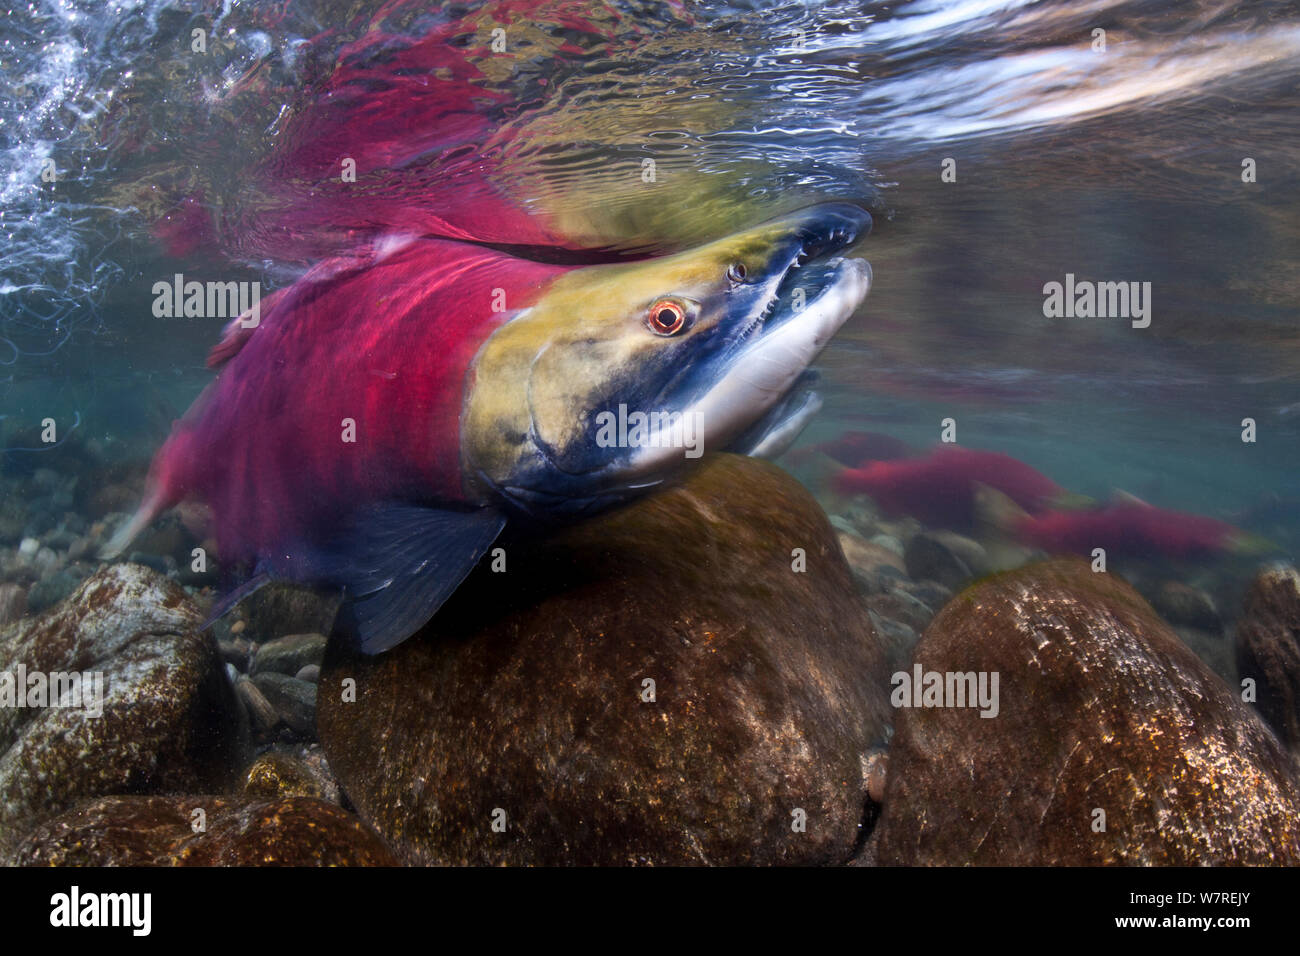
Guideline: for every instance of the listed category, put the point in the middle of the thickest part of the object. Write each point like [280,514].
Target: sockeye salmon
[1125,527]
[939,487]
[392,410]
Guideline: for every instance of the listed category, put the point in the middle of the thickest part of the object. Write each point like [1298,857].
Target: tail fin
[1251,544]
[162,489]
[995,512]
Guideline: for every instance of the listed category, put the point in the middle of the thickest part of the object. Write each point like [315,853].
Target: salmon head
[620,374]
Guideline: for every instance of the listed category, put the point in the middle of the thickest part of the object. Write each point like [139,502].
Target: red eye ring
[666,317]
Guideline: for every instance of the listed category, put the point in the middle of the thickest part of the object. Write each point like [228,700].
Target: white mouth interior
[770,366]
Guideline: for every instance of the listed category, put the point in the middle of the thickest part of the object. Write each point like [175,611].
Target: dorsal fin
[236,335]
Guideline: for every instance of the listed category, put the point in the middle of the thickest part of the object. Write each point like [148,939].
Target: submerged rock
[13,603]
[294,700]
[261,713]
[289,654]
[1112,742]
[13,517]
[876,772]
[203,831]
[167,537]
[277,774]
[657,685]
[235,651]
[1212,648]
[152,709]
[1182,604]
[50,590]
[873,566]
[1268,649]
[283,608]
[309,673]
[945,557]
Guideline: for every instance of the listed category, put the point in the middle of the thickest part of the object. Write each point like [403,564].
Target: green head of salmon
[620,374]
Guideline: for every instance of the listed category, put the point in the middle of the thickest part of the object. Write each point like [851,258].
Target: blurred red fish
[939,488]
[397,120]
[1127,528]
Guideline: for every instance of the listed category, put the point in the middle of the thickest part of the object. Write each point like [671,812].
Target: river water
[1000,146]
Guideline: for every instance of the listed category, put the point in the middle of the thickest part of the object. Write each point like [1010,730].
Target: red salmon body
[939,488]
[1128,529]
[349,392]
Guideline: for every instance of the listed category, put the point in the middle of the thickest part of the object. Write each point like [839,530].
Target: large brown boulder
[1268,649]
[152,712]
[1112,742]
[203,831]
[526,705]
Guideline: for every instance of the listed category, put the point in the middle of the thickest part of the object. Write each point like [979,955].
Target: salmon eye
[666,317]
[736,272]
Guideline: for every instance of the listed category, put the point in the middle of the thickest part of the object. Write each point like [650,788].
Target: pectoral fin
[400,563]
